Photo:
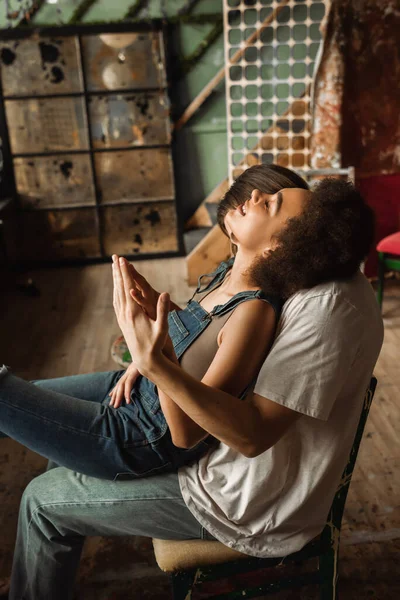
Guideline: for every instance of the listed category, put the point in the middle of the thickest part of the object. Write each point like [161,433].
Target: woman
[228,319]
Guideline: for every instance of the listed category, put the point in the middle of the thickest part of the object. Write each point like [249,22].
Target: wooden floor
[69,329]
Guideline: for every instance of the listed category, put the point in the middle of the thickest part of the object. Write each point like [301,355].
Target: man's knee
[32,498]
[38,494]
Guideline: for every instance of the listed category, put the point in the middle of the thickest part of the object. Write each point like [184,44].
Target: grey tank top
[200,354]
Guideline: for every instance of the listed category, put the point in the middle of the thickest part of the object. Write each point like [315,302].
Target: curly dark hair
[328,241]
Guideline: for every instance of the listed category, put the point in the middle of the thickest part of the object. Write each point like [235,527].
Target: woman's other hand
[145,295]
[124,387]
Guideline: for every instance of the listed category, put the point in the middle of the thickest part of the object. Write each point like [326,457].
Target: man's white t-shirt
[327,343]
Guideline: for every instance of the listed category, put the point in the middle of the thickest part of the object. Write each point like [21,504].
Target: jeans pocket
[148,459]
[177,330]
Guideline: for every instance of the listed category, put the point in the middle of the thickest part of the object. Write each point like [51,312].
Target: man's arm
[244,343]
[250,427]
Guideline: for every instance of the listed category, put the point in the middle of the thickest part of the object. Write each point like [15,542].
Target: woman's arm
[244,342]
[248,427]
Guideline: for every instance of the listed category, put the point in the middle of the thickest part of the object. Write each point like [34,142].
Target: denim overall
[149,441]
[69,420]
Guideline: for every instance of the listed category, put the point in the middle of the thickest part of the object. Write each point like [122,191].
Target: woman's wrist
[150,363]
[169,350]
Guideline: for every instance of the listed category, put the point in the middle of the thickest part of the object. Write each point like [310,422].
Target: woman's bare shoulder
[255,316]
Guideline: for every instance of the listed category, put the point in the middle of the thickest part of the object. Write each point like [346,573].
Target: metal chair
[194,562]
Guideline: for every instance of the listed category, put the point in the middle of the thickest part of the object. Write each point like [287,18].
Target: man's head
[323,236]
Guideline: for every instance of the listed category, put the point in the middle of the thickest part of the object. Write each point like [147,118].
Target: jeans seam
[60,425]
[95,503]
[87,504]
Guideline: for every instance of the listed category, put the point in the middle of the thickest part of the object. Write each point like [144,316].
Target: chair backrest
[335,515]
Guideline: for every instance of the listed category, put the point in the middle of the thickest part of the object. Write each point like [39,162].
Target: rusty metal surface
[131,180]
[46,124]
[56,235]
[357,92]
[124,61]
[129,119]
[51,181]
[135,175]
[40,66]
[140,228]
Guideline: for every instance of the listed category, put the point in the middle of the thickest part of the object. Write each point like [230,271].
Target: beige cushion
[177,555]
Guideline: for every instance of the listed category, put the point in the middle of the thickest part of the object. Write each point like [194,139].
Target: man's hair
[326,242]
[269,179]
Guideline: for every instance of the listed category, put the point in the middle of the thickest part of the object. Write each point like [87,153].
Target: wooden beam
[134,9]
[201,218]
[206,91]
[207,255]
[81,10]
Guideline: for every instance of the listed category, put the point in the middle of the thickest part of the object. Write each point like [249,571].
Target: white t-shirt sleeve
[316,344]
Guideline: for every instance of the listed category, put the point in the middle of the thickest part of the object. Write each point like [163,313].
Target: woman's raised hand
[142,292]
[144,336]
[124,387]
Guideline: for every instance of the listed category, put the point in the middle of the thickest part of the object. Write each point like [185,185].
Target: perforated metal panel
[268,81]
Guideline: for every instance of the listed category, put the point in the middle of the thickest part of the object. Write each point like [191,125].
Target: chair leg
[329,573]
[381,277]
[182,583]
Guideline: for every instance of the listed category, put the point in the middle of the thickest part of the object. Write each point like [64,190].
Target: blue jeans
[69,421]
[60,507]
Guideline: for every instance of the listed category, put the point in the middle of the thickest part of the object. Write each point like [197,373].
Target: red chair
[389,260]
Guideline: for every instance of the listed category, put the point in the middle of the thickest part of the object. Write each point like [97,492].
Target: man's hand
[124,387]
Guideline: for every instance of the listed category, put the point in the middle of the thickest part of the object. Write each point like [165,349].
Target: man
[265,490]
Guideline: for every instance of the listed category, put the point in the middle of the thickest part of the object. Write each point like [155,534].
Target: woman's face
[254,225]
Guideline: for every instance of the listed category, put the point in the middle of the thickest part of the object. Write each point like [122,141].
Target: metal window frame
[8,183]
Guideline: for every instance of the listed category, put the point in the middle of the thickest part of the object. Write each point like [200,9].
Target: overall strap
[275,301]
[237,299]
[216,276]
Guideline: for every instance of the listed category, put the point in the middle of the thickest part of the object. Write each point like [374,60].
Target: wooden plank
[201,218]
[207,255]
